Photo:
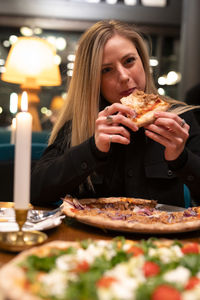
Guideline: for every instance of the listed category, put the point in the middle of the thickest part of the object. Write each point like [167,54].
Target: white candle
[22,156]
[13,131]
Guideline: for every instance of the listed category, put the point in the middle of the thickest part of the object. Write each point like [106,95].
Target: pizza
[120,269]
[144,106]
[131,215]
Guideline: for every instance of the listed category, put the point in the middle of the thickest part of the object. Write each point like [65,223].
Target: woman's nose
[123,74]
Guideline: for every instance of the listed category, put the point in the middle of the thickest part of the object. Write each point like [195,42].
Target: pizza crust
[11,278]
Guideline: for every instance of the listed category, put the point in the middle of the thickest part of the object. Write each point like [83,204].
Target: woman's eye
[130,60]
[106,70]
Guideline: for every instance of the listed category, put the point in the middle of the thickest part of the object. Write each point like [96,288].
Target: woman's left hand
[171,131]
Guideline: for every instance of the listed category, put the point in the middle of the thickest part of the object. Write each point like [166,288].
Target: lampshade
[31,62]
[57,103]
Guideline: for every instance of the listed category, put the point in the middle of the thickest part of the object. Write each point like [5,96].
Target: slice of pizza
[144,105]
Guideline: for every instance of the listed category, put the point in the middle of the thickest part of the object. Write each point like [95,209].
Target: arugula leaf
[146,244]
[33,264]
[178,243]
[41,263]
[45,264]
[85,243]
[101,264]
[59,252]
[84,289]
[168,267]
[119,239]
[120,256]
[191,261]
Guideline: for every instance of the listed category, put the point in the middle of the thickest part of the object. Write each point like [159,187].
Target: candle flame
[13,103]
[24,102]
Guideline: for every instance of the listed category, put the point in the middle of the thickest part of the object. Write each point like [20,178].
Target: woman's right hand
[110,126]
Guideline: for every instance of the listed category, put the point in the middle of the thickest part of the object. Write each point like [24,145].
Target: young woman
[96,151]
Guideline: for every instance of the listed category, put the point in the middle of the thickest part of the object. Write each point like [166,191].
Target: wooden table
[71,230]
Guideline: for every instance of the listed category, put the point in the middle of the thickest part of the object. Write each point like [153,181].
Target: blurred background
[171,29]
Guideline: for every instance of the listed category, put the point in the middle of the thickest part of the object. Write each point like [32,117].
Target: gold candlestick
[21,216]
[17,241]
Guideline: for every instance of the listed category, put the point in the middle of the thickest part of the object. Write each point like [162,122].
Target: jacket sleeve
[61,169]
[187,166]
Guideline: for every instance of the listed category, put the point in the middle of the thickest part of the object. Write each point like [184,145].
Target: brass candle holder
[16,241]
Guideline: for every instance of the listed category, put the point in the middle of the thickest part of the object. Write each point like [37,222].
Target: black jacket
[135,170]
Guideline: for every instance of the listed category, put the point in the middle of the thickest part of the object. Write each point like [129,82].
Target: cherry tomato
[135,251]
[106,281]
[166,292]
[82,267]
[150,269]
[190,248]
[192,282]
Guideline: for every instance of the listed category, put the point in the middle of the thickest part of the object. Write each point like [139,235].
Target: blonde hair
[82,103]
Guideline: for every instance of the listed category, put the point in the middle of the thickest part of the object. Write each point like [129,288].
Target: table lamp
[31,63]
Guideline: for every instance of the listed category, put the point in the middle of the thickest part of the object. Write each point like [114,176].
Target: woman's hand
[171,131]
[110,128]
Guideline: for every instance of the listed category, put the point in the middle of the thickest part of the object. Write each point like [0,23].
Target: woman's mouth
[127,92]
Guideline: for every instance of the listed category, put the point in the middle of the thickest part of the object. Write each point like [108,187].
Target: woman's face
[122,69]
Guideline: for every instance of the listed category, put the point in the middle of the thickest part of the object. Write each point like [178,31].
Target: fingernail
[133,114]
